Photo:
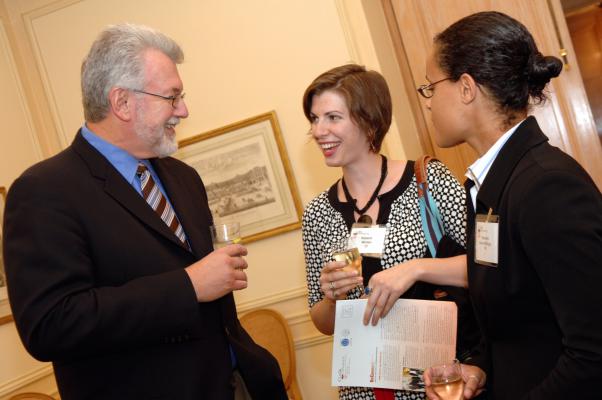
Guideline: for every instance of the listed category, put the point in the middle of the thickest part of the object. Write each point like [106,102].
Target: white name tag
[370,240]
[486,239]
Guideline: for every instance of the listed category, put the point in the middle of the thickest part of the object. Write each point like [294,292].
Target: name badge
[486,239]
[369,239]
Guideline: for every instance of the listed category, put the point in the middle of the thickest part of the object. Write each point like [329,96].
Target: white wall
[243,58]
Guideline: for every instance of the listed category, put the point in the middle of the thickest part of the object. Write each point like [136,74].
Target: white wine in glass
[447,382]
[351,257]
[225,234]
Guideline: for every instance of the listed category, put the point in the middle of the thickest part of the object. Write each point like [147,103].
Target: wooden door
[585,26]
[566,118]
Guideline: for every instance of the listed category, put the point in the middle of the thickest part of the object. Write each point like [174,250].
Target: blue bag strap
[432,224]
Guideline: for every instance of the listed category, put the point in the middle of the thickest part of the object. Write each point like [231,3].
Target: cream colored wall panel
[293,297]
[286,301]
[18,143]
[275,263]
[313,364]
[42,47]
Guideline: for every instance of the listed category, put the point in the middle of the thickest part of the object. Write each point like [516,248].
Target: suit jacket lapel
[526,136]
[119,189]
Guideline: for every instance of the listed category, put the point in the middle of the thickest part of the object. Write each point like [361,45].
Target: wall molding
[26,379]
[348,32]
[274,298]
[298,318]
[312,341]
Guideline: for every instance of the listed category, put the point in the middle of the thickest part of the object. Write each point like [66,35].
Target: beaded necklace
[366,218]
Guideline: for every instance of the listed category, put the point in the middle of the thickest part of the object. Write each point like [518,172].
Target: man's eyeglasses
[427,91]
[175,99]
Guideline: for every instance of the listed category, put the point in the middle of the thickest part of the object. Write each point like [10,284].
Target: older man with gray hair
[111,272]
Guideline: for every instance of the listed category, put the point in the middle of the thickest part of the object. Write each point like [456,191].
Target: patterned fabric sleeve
[449,196]
[312,234]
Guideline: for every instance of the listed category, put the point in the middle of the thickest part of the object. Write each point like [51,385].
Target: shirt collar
[123,161]
[479,169]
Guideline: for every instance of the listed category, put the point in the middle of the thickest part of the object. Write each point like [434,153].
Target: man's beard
[155,137]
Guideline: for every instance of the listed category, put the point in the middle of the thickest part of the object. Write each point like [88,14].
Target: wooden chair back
[269,329]
[31,396]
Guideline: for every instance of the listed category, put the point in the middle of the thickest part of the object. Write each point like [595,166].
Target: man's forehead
[161,71]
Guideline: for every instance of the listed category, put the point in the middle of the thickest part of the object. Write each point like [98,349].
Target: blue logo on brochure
[345,342]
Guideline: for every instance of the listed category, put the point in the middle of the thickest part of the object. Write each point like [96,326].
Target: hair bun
[541,71]
[547,67]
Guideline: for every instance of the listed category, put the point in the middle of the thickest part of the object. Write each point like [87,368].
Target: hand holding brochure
[414,335]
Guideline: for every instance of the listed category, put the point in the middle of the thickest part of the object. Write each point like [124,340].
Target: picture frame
[5,314]
[247,175]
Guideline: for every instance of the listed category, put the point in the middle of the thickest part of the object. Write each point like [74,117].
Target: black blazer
[539,309]
[97,286]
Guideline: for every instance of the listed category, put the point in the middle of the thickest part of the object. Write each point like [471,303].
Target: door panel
[585,26]
[566,117]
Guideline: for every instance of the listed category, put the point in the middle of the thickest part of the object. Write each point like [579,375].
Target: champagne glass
[351,257]
[340,251]
[225,234]
[446,380]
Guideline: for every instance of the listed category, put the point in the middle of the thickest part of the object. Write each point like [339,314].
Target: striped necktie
[153,196]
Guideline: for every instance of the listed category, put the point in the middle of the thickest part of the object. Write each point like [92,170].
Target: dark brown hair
[366,94]
[501,55]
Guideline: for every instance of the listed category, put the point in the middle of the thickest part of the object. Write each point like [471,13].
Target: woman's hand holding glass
[342,270]
[335,281]
[474,381]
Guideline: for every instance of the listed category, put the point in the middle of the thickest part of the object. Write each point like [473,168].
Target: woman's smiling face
[339,137]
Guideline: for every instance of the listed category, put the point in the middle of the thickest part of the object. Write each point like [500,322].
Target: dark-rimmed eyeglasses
[175,99]
[427,91]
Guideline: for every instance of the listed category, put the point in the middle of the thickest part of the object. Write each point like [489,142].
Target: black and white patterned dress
[326,220]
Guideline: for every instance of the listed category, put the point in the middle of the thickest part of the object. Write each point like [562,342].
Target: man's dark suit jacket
[539,309]
[97,285]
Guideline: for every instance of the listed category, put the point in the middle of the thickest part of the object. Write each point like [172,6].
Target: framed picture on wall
[248,177]
[4,306]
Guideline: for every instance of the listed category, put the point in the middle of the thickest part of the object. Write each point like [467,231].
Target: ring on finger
[331,285]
